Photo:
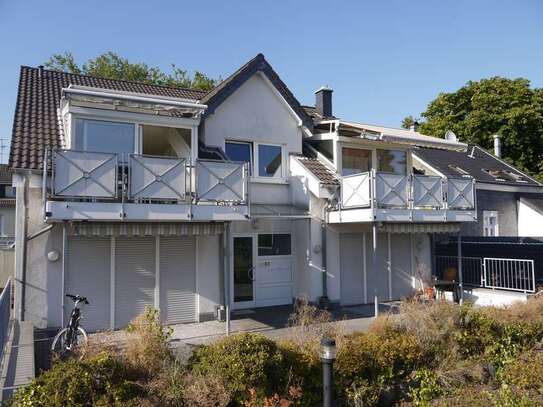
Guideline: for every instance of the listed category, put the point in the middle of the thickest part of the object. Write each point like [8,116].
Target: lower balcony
[88,186]
[384,197]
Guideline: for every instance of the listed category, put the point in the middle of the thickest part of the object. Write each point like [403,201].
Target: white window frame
[487,215]
[255,177]
[73,129]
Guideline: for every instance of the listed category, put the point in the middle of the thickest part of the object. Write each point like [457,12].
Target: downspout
[23,249]
[324,301]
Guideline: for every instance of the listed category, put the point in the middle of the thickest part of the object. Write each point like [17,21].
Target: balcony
[113,187]
[375,196]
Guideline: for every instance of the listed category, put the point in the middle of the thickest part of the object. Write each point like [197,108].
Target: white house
[137,195]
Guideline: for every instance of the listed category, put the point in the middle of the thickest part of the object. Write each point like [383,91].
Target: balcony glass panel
[104,137]
[355,161]
[392,161]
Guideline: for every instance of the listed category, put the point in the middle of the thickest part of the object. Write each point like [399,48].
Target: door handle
[251,274]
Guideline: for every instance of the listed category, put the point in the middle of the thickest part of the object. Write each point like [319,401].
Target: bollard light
[328,349]
[328,355]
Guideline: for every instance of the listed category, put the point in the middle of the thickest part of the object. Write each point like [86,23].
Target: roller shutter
[134,277]
[178,279]
[88,274]
[352,269]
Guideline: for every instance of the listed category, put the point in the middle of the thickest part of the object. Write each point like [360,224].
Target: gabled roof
[477,163]
[258,64]
[36,121]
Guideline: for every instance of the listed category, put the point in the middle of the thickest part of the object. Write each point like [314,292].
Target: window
[270,161]
[274,244]
[392,161]
[237,151]
[7,191]
[490,223]
[102,136]
[355,161]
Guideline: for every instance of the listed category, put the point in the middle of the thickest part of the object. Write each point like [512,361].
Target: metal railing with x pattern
[221,181]
[157,178]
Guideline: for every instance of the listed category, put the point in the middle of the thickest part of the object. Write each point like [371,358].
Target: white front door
[262,272]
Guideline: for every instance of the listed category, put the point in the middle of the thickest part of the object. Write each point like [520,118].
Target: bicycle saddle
[77,298]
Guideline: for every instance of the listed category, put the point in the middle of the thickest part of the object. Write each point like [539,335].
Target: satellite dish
[449,135]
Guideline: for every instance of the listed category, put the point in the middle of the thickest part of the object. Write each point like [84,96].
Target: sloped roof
[475,162]
[325,175]
[36,122]
[258,64]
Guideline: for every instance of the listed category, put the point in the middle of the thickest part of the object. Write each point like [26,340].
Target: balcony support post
[374,261]
[460,282]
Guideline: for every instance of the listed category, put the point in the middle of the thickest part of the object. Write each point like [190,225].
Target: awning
[420,227]
[144,229]
[278,211]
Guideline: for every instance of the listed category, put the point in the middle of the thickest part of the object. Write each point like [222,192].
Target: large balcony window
[355,161]
[104,136]
[392,161]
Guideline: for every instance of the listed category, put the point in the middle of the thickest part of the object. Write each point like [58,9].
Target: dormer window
[104,136]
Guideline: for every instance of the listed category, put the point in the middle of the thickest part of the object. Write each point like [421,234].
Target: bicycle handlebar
[78,298]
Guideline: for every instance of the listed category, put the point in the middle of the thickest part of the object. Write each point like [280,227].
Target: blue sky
[384,59]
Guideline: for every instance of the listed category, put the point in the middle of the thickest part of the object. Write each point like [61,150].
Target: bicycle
[73,335]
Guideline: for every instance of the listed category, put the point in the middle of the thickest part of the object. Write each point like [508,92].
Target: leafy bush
[244,361]
[147,348]
[98,381]
[526,371]
[427,388]
[204,391]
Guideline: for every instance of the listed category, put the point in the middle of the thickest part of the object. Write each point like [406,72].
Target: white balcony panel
[427,192]
[220,213]
[221,181]
[355,190]
[85,174]
[391,190]
[157,178]
[460,193]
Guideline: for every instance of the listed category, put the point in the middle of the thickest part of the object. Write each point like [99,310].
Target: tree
[111,65]
[408,122]
[478,110]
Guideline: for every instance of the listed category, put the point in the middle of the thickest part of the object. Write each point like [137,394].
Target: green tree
[408,122]
[478,110]
[111,65]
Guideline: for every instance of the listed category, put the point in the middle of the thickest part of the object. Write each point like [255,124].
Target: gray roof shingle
[325,175]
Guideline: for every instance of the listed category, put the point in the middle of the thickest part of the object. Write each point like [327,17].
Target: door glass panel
[243,269]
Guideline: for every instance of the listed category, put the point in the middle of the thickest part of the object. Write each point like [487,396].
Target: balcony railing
[393,191]
[106,177]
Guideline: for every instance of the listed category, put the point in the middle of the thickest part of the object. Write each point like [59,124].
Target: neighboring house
[509,202]
[7,224]
[138,195]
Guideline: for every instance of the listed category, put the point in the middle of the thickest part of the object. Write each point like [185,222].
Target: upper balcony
[378,196]
[97,186]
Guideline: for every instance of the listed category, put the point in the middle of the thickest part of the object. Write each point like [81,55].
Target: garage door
[134,277]
[352,269]
[88,274]
[178,279]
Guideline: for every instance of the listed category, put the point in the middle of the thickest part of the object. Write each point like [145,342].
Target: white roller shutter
[178,279]
[352,279]
[134,277]
[88,274]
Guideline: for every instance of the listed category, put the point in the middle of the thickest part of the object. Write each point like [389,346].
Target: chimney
[40,71]
[497,146]
[323,101]
[415,126]
[449,135]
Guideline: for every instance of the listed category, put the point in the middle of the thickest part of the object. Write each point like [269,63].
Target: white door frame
[254,248]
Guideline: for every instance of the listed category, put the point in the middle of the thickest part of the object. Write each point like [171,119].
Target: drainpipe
[23,249]
[324,301]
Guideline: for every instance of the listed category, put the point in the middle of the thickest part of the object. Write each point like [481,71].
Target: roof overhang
[85,96]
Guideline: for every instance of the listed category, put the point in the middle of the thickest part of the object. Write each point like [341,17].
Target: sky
[384,59]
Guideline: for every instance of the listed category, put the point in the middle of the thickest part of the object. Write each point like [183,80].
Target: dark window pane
[269,161]
[239,152]
[274,245]
[243,269]
[355,161]
[392,161]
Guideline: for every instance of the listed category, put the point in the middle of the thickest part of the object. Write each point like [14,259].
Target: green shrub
[526,371]
[369,364]
[244,361]
[100,380]
[426,388]
[147,347]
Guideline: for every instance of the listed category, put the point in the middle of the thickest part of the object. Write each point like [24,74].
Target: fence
[505,274]
[5,314]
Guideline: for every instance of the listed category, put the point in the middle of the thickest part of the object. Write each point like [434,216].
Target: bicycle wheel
[60,345]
